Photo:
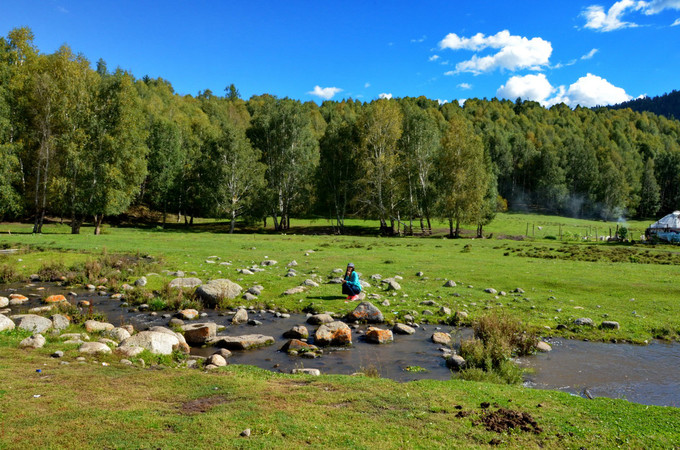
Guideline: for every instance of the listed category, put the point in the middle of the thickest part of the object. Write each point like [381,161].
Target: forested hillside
[667,105]
[83,143]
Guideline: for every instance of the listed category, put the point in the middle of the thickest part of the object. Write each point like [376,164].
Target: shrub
[51,271]
[8,274]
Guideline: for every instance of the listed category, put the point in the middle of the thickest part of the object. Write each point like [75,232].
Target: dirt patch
[201,405]
[503,419]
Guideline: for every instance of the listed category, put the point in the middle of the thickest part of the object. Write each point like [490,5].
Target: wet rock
[543,346]
[610,325]
[6,323]
[241,316]
[244,342]
[450,283]
[140,282]
[187,314]
[313,372]
[455,362]
[318,319]
[118,334]
[297,332]
[254,323]
[216,360]
[215,290]
[379,335]
[199,333]
[334,333]
[32,322]
[298,346]
[368,312]
[400,328]
[35,341]
[94,348]
[441,338]
[583,321]
[295,290]
[59,321]
[157,342]
[180,283]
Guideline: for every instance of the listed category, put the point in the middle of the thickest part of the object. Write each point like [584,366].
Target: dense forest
[667,105]
[82,142]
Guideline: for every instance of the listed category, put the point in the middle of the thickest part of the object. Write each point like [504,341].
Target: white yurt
[666,229]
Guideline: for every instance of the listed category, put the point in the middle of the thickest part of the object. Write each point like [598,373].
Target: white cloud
[449,73]
[656,6]
[515,52]
[417,41]
[528,87]
[433,58]
[326,93]
[598,20]
[465,86]
[590,54]
[441,102]
[385,95]
[367,85]
[587,91]
[461,101]
[676,23]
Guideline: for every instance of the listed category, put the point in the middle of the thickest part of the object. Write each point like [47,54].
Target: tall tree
[650,198]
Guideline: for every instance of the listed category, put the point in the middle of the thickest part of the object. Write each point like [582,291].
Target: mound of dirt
[201,405]
[503,419]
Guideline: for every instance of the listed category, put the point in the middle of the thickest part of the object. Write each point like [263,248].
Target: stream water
[641,374]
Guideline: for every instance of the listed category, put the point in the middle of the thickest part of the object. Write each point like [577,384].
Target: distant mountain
[664,105]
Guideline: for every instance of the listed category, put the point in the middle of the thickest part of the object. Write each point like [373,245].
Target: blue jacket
[353,281]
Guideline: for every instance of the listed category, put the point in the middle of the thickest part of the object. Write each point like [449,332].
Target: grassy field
[79,405]
[562,279]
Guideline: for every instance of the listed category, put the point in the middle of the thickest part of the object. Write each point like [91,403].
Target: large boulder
[118,334]
[298,346]
[179,283]
[297,332]
[400,328]
[334,333]
[441,338]
[94,348]
[455,362]
[55,299]
[584,322]
[93,326]
[32,322]
[60,321]
[294,290]
[318,319]
[610,325]
[199,333]
[366,312]
[241,316]
[379,335]
[35,341]
[216,360]
[158,343]
[245,342]
[6,323]
[215,290]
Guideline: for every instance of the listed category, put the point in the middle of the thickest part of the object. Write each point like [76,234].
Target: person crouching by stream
[350,284]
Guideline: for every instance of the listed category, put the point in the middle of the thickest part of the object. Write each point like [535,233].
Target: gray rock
[246,272]
[293,263]
[367,312]
[244,342]
[379,335]
[241,316]
[338,271]
[419,274]
[392,285]
[94,348]
[297,332]
[610,325]
[450,283]
[441,338]
[454,361]
[337,280]
[254,323]
[255,290]
[140,282]
[223,352]
[269,262]
[318,319]
[400,328]
[461,315]
[4,302]
[583,321]
[199,333]
[429,303]
[59,321]
[310,283]
[445,311]
[248,296]
[32,322]
[176,322]
[305,371]
[491,291]
[216,360]
[158,343]
[35,341]
[118,334]
[334,333]
[215,290]
[179,283]
[295,290]
[6,323]
[187,314]
[543,346]
[57,354]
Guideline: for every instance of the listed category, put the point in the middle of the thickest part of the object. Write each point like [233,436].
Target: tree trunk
[480,230]
[233,221]
[422,226]
[429,225]
[457,229]
[451,228]
[98,219]
[76,222]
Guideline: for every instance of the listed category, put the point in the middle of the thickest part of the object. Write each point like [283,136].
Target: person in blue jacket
[350,283]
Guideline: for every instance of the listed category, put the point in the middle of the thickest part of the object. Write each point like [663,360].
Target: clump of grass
[52,271]
[8,274]
[497,338]
[370,371]
[79,315]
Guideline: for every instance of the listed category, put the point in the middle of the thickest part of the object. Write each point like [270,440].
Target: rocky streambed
[292,343]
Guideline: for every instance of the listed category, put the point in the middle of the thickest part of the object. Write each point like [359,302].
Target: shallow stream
[641,374]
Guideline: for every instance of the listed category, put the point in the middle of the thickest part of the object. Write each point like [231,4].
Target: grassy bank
[634,285]
[79,405]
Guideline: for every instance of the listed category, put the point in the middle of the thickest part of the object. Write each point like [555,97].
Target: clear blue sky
[550,51]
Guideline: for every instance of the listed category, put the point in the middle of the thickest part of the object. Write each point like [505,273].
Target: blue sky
[579,52]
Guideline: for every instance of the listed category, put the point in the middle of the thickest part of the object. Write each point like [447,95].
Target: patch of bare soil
[503,419]
[204,404]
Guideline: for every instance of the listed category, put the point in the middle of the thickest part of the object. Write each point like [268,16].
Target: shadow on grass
[328,297]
